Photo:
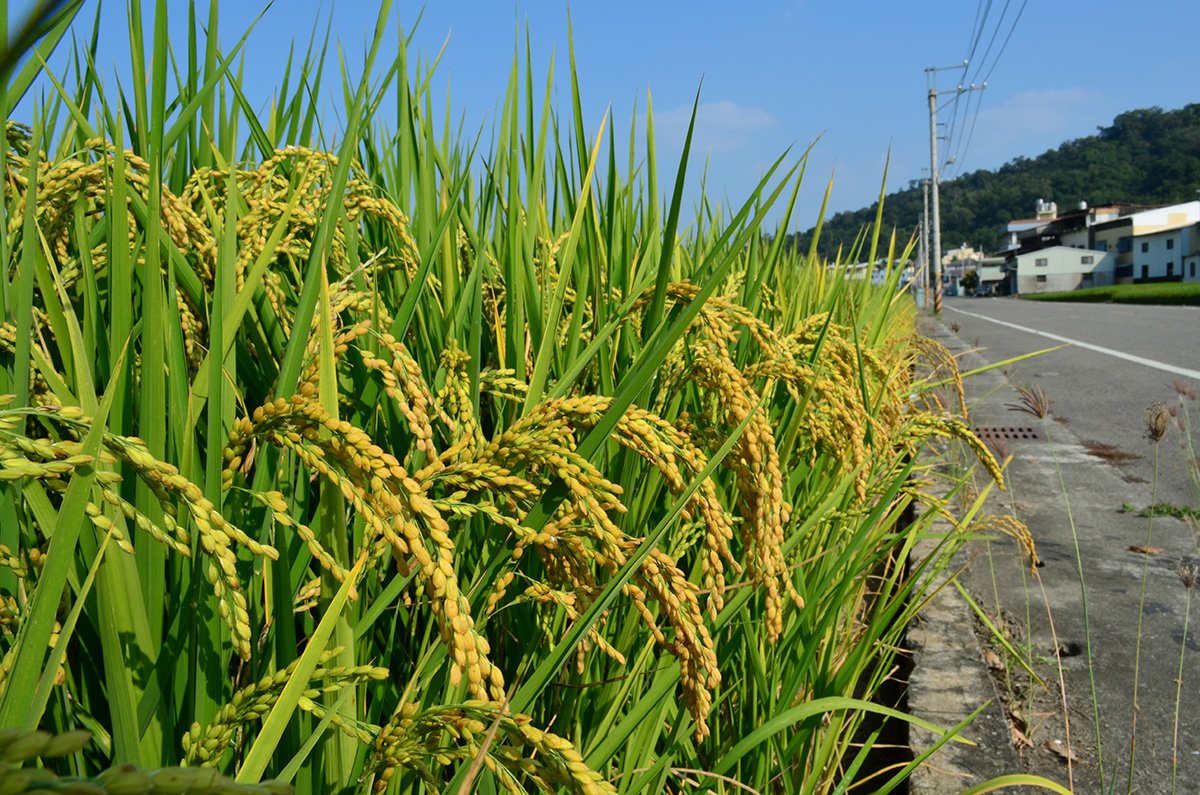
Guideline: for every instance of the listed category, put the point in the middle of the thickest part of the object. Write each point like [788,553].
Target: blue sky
[848,74]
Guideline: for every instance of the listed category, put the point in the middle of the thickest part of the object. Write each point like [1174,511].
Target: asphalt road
[1098,396]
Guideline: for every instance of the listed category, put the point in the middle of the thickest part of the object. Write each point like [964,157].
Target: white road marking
[1129,357]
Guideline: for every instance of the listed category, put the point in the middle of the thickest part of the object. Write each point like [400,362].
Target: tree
[969,281]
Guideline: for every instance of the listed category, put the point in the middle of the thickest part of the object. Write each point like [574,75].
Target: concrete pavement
[1102,398]
[1046,613]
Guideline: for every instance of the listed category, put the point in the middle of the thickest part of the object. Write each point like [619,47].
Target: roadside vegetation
[354,466]
[1167,293]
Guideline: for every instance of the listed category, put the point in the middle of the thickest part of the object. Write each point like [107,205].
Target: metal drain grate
[990,433]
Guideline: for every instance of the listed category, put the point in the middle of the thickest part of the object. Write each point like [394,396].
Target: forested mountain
[1148,156]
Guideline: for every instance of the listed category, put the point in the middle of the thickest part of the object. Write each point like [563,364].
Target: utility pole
[937,216]
[925,241]
[933,174]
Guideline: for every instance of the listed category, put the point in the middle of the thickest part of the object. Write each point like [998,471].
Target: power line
[977,28]
[970,135]
[982,12]
[953,119]
[961,153]
[964,145]
[948,103]
[1004,46]
[957,152]
[992,40]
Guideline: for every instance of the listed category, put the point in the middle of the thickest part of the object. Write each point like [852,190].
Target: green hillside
[1148,156]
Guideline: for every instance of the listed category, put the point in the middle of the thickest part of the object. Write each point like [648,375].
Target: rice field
[366,468]
[1167,293]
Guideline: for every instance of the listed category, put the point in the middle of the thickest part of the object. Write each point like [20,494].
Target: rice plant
[361,467]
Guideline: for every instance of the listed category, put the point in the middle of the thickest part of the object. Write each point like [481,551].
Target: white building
[1151,245]
[1159,255]
[992,278]
[1191,258]
[1061,268]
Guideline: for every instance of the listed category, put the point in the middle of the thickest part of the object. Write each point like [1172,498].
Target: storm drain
[991,433]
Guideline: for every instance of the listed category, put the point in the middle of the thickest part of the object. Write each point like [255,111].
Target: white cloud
[721,127]
[1032,121]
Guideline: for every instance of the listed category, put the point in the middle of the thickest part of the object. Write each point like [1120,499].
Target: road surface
[1124,359]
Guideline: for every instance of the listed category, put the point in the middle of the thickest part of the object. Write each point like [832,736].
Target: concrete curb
[949,681]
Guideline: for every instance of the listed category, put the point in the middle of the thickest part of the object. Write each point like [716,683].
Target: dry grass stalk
[1157,421]
[1031,400]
